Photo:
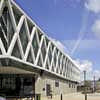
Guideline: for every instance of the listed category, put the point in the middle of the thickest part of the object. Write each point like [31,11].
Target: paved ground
[75,96]
[82,97]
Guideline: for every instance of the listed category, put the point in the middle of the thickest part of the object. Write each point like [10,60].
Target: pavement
[80,96]
[75,96]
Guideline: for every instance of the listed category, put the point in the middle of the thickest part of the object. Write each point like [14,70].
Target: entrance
[17,85]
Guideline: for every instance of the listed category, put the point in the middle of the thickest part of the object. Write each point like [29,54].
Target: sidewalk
[79,96]
[75,96]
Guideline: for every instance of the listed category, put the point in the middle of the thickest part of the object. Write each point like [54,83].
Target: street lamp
[85,93]
[94,85]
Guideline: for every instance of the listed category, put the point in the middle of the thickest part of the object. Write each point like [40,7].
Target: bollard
[61,97]
[85,96]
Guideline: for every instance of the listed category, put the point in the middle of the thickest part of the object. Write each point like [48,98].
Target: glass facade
[43,50]
[54,62]
[30,59]
[3,27]
[23,37]
[35,45]
[16,85]
[16,51]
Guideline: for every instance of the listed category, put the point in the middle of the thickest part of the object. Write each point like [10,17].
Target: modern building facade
[30,63]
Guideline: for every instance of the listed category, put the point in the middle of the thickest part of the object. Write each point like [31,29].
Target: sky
[73,25]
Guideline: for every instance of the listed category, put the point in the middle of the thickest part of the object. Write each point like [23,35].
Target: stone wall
[64,87]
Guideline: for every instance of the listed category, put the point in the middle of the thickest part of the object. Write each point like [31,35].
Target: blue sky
[73,24]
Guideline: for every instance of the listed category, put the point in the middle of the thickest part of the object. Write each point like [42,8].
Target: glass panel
[4,62]
[10,30]
[43,50]
[68,68]
[53,67]
[48,90]
[55,57]
[64,68]
[47,41]
[47,64]
[62,64]
[16,51]
[30,26]
[50,55]
[39,62]
[39,34]
[56,83]
[23,37]
[29,59]
[6,28]
[57,70]
[35,45]
[59,60]
[3,19]
[7,84]
[17,14]
[3,28]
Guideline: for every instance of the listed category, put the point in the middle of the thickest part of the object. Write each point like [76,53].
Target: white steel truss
[19,32]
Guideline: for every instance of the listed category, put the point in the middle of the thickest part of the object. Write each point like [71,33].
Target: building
[90,86]
[30,63]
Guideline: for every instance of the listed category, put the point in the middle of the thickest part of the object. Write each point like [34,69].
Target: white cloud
[93,5]
[59,45]
[85,65]
[96,74]
[96,28]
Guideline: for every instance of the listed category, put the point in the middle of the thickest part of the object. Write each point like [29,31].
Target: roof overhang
[14,70]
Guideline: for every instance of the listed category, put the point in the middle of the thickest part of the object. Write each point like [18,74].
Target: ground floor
[21,83]
[44,86]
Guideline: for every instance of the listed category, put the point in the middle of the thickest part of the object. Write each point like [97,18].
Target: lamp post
[85,85]
[94,85]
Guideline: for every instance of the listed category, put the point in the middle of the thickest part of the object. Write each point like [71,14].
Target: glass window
[50,54]
[47,63]
[16,51]
[39,62]
[47,41]
[30,26]
[3,27]
[56,84]
[43,50]
[55,57]
[48,90]
[17,14]
[39,34]
[35,44]
[30,59]
[23,37]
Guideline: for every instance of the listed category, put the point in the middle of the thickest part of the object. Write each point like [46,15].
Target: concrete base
[64,87]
